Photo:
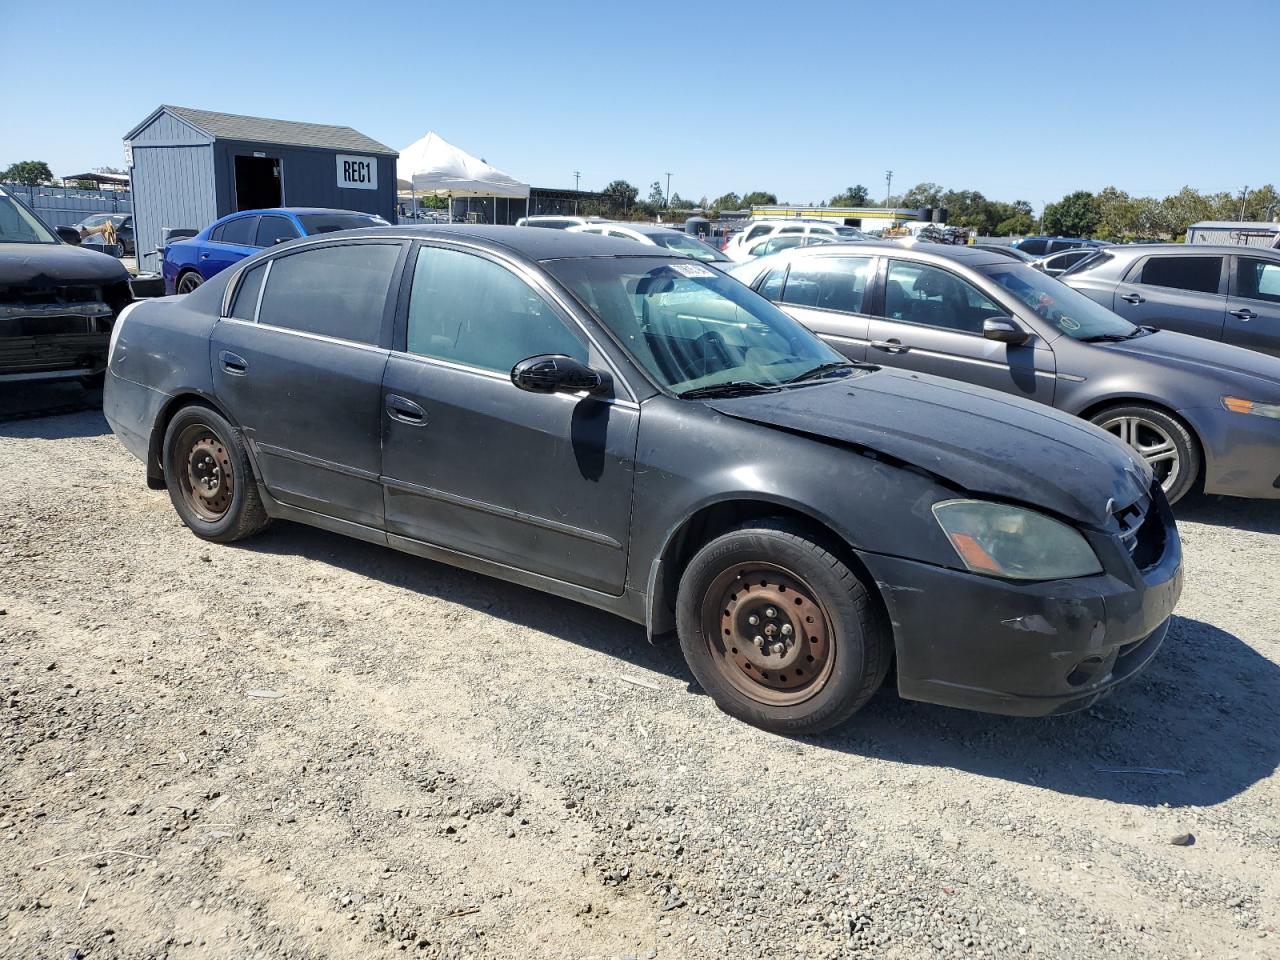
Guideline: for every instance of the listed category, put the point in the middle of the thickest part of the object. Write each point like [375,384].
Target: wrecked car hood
[986,442]
[27,263]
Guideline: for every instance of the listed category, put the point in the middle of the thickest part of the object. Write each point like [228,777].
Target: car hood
[24,263]
[1209,357]
[985,442]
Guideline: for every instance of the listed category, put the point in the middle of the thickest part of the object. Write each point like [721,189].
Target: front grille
[50,327]
[1141,531]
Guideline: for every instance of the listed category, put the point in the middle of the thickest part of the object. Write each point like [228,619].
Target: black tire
[201,449]
[763,561]
[1149,424]
[188,281]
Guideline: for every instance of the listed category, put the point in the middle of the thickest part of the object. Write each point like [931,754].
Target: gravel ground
[308,747]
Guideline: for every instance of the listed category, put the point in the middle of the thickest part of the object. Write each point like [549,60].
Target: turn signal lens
[1240,405]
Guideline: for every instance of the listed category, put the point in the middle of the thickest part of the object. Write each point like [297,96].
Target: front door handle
[405,410]
[1133,298]
[1244,313]
[234,364]
[204,256]
[892,346]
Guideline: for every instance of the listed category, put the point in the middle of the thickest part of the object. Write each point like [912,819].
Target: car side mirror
[557,373]
[1004,330]
[68,235]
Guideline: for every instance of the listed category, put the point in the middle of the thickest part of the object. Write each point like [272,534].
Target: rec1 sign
[357,173]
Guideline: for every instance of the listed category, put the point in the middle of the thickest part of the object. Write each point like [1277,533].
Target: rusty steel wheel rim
[206,477]
[768,634]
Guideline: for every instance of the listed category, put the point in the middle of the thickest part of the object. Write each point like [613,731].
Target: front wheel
[1161,440]
[779,631]
[210,481]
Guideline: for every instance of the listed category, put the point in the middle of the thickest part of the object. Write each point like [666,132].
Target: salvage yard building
[189,167]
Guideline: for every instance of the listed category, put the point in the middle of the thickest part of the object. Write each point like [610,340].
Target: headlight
[1237,405]
[1011,542]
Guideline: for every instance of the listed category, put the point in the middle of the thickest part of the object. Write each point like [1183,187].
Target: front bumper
[1241,452]
[1026,649]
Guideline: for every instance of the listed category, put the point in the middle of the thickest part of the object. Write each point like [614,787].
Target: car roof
[529,243]
[1190,249]
[648,229]
[296,211]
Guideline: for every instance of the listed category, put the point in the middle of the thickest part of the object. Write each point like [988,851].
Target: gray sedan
[1201,413]
[1226,293]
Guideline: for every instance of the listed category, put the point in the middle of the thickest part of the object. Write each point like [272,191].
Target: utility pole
[577,175]
[1243,197]
[668,189]
[888,187]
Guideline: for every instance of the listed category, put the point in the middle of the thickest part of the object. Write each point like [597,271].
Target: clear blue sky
[1020,100]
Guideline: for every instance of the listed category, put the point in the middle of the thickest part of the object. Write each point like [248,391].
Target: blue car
[189,263]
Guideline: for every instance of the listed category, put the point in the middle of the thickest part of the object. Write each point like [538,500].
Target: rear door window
[1258,279]
[239,231]
[829,283]
[1197,274]
[338,291]
[245,304]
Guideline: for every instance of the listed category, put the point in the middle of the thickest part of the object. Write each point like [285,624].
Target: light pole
[888,187]
[668,189]
[577,176]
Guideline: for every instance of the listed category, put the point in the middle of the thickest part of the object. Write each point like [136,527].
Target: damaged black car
[58,302]
[644,434]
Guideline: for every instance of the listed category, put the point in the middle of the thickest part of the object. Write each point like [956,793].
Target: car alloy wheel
[1152,442]
[189,282]
[767,634]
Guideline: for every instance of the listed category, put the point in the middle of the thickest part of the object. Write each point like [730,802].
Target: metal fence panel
[67,206]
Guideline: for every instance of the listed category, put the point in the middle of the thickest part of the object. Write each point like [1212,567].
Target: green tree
[29,173]
[759,198]
[856,196]
[1262,204]
[657,197]
[433,203]
[619,196]
[923,195]
[727,201]
[1075,215]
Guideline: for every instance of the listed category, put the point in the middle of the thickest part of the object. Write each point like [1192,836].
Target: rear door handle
[1244,313]
[1133,298]
[405,410]
[234,364]
[892,346]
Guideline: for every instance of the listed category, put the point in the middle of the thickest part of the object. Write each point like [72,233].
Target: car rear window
[315,223]
[1197,274]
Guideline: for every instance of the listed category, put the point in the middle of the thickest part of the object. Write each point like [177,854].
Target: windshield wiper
[1118,337]
[729,388]
[821,370]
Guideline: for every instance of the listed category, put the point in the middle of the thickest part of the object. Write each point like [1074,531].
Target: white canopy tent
[435,167]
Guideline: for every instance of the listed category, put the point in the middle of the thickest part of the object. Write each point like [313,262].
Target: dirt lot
[308,747]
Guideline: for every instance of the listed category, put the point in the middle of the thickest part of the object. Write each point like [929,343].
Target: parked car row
[977,316]
[636,430]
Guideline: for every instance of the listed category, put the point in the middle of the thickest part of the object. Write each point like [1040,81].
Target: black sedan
[1203,415]
[640,432]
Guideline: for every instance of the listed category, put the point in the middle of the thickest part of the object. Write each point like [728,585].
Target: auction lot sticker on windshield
[692,270]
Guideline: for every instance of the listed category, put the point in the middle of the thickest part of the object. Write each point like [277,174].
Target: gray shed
[190,167]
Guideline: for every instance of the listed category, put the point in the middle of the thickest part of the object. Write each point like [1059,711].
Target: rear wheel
[209,478]
[1160,439]
[779,630]
[189,281]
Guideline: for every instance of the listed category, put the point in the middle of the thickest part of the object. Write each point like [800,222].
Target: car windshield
[850,233]
[1069,310]
[691,246]
[314,223]
[17,225]
[692,327]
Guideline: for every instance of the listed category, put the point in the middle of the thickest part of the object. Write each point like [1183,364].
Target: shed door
[257,183]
